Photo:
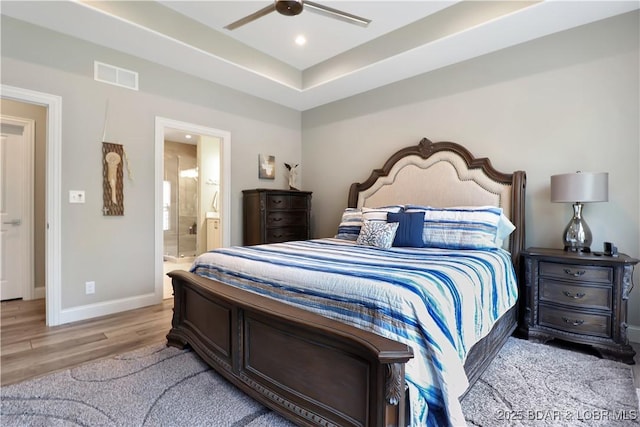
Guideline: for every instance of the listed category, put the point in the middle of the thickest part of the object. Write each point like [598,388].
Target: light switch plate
[76,196]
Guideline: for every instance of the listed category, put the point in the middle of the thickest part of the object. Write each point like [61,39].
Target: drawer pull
[576,296]
[573,322]
[576,273]
[277,219]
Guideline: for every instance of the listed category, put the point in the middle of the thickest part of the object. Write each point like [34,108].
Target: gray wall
[563,103]
[118,252]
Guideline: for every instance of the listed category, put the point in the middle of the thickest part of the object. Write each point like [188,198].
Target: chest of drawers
[579,298]
[274,216]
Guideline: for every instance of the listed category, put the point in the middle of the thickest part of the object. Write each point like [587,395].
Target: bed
[278,321]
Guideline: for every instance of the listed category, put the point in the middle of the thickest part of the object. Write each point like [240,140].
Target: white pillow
[505,228]
[379,214]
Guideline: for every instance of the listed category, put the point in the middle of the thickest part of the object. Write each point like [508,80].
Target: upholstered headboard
[445,174]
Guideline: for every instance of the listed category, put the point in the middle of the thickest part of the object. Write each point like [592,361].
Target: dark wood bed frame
[313,370]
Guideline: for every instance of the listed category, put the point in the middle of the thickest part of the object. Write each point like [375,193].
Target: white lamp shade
[580,187]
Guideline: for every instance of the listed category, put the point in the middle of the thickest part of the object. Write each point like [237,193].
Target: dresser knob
[576,273]
[573,322]
[570,295]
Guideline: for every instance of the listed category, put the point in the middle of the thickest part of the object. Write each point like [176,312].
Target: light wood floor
[28,348]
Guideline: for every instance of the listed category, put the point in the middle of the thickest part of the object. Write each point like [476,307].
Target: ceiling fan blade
[249,18]
[335,13]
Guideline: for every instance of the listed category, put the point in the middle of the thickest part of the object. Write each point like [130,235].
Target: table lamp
[579,188]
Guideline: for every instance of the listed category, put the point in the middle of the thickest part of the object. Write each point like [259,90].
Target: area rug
[527,385]
[532,384]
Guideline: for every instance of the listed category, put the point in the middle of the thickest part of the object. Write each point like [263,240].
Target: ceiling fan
[295,7]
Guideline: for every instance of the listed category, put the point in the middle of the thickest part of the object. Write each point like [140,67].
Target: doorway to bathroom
[192,199]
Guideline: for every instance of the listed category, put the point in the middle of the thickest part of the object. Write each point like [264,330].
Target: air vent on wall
[115,75]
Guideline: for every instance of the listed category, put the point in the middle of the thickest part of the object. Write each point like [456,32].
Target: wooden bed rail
[313,370]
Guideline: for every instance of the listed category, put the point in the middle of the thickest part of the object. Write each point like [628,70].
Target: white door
[16,148]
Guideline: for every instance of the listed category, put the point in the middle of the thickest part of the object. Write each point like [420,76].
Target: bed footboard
[313,370]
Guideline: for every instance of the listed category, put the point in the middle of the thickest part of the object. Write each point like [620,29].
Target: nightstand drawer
[598,297]
[574,272]
[575,321]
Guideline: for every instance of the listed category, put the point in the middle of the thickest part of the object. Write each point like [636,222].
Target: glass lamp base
[577,235]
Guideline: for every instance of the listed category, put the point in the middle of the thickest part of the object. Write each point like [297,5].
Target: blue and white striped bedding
[440,302]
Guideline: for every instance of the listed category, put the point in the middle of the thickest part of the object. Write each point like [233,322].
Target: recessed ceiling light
[301,40]
[188,136]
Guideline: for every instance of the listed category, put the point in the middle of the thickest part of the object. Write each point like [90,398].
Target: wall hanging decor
[266,166]
[112,176]
[114,158]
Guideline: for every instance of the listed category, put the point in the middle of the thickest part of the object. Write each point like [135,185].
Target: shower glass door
[180,204]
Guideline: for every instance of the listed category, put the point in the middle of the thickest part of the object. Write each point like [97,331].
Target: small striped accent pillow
[352,218]
[350,224]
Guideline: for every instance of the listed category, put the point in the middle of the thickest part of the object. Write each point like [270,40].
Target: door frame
[27,290]
[225,185]
[53,241]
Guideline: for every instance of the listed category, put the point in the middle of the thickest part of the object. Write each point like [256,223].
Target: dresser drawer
[575,321]
[277,201]
[598,297]
[283,219]
[286,234]
[299,202]
[577,272]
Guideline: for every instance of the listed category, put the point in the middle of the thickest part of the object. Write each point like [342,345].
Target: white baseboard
[109,307]
[633,333]
[39,292]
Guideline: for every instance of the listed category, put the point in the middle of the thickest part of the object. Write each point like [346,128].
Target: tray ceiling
[338,60]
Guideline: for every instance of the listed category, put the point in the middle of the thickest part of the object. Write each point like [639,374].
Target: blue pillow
[410,226]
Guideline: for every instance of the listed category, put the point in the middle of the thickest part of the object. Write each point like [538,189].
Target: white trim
[225,185]
[108,307]
[39,292]
[53,262]
[633,333]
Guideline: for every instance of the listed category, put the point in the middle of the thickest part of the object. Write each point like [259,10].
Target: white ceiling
[404,39]
[275,34]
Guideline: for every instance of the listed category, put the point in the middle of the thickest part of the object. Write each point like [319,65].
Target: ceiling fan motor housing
[289,7]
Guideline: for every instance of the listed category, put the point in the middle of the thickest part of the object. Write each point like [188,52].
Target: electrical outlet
[76,196]
[90,287]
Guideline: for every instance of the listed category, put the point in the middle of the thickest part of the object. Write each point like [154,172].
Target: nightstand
[578,297]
